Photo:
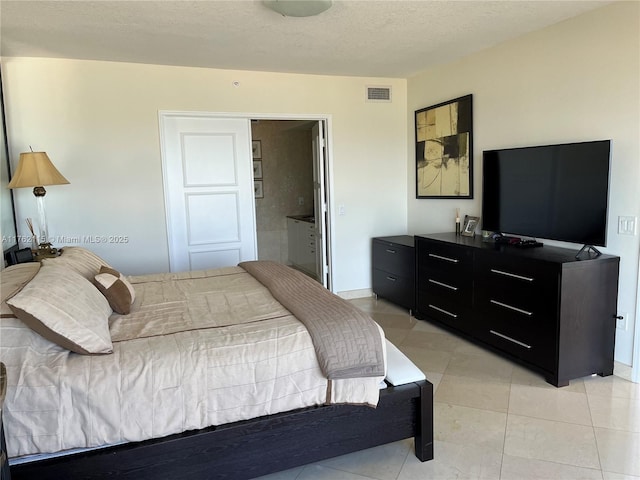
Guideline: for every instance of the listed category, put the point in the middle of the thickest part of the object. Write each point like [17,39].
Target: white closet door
[208,188]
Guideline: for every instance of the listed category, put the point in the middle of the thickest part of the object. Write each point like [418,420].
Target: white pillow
[12,280]
[66,309]
[83,261]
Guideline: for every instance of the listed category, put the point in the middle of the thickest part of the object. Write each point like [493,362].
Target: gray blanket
[348,342]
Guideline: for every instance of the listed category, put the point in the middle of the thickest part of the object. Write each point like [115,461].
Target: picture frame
[258,191]
[444,149]
[256,149]
[257,169]
[469,226]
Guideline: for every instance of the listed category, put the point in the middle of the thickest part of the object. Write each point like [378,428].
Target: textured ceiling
[394,38]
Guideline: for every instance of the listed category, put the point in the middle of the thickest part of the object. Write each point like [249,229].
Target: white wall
[98,121]
[578,80]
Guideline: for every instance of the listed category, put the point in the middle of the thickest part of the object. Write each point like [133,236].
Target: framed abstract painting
[444,150]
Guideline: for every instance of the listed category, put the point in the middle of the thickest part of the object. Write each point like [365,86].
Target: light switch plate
[627,225]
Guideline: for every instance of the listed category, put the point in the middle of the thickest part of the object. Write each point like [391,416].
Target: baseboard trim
[351,294]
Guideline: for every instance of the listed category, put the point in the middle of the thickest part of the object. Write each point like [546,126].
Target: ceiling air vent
[378,94]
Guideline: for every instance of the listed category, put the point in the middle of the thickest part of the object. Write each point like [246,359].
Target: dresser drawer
[444,257]
[533,345]
[538,318]
[507,301]
[399,290]
[394,258]
[445,310]
[443,284]
[532,276]
[308,234]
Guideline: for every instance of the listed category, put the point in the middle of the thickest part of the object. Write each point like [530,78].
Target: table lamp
[36,170]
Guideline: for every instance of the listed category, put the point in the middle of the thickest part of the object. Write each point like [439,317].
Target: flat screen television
[556,192]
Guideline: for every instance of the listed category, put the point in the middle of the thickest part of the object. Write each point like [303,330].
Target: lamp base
[45,250]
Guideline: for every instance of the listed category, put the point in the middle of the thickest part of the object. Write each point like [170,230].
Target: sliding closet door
[321,209]
[208,188]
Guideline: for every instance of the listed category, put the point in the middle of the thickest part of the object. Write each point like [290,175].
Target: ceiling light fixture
[298,8]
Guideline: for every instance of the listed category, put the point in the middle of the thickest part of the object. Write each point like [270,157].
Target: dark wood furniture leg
[424,438]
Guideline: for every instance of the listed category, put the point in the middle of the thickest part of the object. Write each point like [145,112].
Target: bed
[227,373]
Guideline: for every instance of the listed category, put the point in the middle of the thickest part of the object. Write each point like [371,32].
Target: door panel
[209,160]
[223,207]
[320,184]
[208,182]
[211,257]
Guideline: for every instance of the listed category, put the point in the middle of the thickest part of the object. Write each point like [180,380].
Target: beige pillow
[116,289]
[83,261]
[66,309]
[13,279]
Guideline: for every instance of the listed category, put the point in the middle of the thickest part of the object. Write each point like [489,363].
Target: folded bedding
[197,349]
[346,340]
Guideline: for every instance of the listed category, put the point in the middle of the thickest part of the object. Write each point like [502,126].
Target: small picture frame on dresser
[469,226]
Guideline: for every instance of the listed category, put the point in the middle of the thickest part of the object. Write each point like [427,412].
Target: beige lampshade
[36,170]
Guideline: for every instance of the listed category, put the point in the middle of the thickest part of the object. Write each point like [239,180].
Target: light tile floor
[497,420]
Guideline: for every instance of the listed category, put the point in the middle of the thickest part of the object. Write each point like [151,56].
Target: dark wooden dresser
[539,306]
[394,269]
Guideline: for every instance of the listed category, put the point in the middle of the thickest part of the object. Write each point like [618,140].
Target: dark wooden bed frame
[252,448]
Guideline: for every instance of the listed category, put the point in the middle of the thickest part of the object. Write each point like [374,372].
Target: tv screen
[556,192]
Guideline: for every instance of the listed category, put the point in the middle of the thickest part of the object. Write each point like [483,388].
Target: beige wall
[576,81]
[98,121]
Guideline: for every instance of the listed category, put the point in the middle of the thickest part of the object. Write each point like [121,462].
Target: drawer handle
[443,311]
[391,279]
[510,307]
[450,287]
[447,259]
[528,347]
[512,275]
[390,251]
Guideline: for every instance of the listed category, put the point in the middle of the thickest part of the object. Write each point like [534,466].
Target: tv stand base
[590,252]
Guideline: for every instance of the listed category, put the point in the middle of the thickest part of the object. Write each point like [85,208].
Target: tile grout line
[506,427]
[404,462]
[593,429]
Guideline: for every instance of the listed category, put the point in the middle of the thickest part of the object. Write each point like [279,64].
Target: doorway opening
[290,167]
[213,198]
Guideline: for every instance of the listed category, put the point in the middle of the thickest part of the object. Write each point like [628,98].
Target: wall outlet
[300,200]
[621,323]
[341,210]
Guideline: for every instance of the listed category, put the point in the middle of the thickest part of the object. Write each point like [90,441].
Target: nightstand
[394,270]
